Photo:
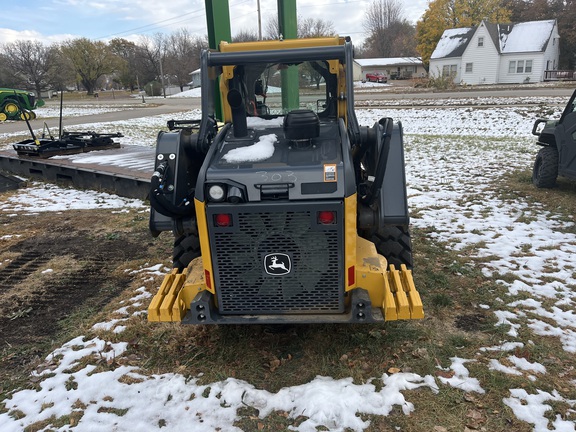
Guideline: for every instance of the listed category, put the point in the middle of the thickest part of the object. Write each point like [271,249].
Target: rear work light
[326,217]
[223,220]
[216,193]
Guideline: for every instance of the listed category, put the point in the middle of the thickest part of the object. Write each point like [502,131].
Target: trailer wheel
[545,169]
[395,244]
[186,248]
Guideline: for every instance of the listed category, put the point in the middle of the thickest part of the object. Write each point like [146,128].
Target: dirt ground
[57,269]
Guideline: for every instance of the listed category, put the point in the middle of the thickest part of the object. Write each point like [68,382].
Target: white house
[195,79]
[395,67]
[497,53]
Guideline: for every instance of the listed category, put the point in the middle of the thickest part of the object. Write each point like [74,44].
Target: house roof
[392,61]
[531,36]
[453,42]
[526,36]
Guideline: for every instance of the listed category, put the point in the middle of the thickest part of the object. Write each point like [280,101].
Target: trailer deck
[125,171]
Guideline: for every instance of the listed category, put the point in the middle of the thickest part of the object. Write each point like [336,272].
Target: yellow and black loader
[289,212]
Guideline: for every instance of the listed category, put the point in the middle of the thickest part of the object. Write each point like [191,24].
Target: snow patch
[257,152]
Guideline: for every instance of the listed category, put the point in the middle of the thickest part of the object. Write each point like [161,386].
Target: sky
[58,20]
[450,185]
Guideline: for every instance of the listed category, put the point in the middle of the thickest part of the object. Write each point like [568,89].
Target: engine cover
[268,166]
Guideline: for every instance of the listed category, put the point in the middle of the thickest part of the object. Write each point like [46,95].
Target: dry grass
[273,357]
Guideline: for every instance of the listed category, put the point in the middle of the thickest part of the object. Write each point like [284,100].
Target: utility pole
[259,21]
[162,77]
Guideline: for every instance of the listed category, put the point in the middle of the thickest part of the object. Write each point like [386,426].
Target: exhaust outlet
[236,103]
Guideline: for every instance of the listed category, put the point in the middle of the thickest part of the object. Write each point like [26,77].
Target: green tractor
[18,104]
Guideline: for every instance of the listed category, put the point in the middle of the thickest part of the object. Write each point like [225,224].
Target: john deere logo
[277,264]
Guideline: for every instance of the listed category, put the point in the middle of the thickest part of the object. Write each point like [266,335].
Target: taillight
[351,275]
[326,217]
[223,220]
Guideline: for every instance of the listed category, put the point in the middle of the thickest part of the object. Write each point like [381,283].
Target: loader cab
[253,72]
[262,89]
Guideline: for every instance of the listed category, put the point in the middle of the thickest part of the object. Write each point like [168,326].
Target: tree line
[84,63]
[120,63]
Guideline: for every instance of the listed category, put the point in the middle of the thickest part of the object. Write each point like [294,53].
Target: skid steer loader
[282,215]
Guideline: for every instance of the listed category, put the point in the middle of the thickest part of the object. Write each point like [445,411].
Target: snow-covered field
[455,156]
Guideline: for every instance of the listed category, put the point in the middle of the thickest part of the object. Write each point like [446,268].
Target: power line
[169,21]
[153,25]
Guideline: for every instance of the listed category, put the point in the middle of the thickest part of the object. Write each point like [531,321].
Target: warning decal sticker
[330,173]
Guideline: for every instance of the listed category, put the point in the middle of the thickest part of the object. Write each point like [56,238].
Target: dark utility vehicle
[558,153]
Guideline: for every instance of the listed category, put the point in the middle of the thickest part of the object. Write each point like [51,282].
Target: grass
[453,289]
[561,199]
[272,358]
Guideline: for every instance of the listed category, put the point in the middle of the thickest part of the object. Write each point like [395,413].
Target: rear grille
[264,234]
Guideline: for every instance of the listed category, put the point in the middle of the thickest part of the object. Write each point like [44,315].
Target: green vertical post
[288,26]
[218,23]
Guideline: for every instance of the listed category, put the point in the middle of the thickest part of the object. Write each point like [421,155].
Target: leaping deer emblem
[277,265]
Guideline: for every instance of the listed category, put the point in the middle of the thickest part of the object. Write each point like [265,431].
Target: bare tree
[145,61]
[30,63]
[389,34]
[152,57]
[183,56]
[245,36]
[315,27]
[7,76]
[272,29]
[381,14]
[307,27]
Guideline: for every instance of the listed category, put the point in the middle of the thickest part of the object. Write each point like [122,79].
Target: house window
[520,66]
[469,67]
[480,41]
[448,70]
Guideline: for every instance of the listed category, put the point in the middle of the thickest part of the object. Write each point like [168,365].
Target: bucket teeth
[166,305]
[172,301]
[401,300]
